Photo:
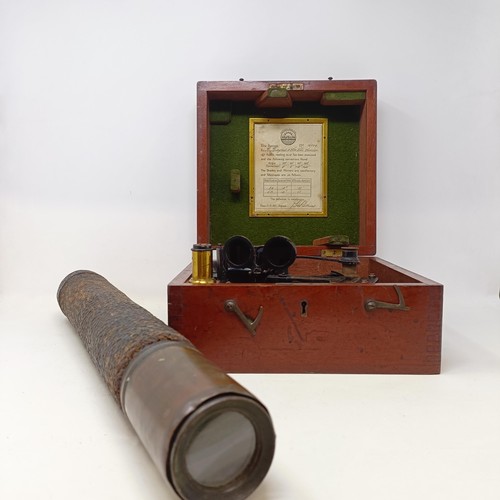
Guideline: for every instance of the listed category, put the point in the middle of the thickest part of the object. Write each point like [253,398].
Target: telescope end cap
[224,449]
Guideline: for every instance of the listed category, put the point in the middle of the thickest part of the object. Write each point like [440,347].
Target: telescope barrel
[207,435]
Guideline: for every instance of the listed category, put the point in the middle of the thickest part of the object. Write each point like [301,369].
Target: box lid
[239,164]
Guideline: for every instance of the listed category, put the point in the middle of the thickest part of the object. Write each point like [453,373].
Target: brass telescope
[208,436]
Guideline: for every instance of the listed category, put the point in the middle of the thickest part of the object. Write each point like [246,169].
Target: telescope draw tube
[207,435]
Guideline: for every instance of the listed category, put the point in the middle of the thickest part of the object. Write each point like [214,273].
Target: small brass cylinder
[202,264]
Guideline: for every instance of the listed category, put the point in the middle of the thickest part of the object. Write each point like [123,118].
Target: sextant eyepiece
[239,252]
[279,252]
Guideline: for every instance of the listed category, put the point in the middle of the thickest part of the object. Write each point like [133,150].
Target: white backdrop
[97,171]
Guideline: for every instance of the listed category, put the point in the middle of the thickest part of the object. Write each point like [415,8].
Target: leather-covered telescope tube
[208,436]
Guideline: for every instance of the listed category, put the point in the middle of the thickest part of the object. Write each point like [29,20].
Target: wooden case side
[378,266]
[177,298]
[335,333]
[368,173]
[203,168]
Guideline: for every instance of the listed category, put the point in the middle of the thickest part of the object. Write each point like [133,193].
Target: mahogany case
[391,326]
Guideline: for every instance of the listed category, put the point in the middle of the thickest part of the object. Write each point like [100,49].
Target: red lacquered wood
[203,168]
[333,334]
[367,174]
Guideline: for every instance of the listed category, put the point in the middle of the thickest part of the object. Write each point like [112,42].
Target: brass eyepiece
[202,273]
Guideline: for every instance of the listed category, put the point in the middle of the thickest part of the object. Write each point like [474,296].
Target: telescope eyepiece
[279,252]
[239,252]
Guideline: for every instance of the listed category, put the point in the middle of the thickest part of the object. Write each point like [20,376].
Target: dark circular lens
[222,449]
[239,252]
[279,252]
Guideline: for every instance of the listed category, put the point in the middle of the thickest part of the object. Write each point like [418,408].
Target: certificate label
[288,165]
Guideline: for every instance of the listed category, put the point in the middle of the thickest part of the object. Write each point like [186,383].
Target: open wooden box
[391,326]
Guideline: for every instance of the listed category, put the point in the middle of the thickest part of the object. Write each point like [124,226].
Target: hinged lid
[290,158]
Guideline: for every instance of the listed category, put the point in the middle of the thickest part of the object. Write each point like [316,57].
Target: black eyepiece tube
[207,435]
[239,252]
[279,252]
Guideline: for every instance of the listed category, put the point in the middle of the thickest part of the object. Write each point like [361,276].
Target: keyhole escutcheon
[303,308]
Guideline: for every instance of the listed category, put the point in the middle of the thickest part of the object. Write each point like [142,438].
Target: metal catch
[251,325]
[371,305]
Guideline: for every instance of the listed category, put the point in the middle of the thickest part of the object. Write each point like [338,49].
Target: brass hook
[371,304]
[251,325]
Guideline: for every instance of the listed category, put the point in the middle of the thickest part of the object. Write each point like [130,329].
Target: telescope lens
[222,449]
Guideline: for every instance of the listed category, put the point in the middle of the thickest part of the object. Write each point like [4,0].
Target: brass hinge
[287,86]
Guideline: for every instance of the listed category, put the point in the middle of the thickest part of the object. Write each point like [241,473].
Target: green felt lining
[277,93]
[229,149]
[344,96]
